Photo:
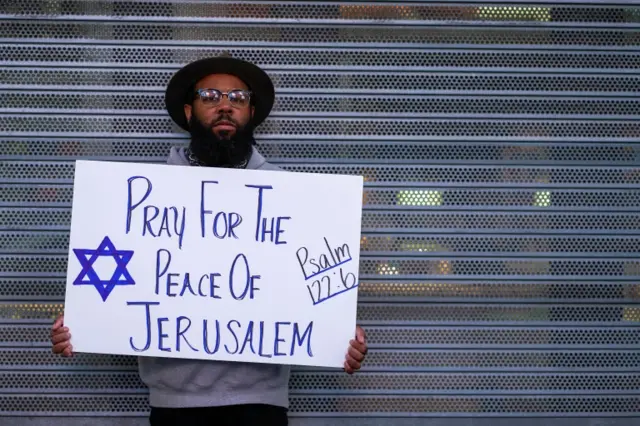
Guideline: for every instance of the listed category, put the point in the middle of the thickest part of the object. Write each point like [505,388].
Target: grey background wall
[500,146]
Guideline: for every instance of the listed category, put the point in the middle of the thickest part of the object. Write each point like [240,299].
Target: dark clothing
[228,415]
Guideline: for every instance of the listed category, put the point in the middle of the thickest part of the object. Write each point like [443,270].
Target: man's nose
[224,106]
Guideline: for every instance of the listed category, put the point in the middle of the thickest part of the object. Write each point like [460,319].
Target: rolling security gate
[501,230]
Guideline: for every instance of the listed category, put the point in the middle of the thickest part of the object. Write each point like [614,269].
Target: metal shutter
[500,146]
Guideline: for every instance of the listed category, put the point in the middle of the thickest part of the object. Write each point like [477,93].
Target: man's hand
[61,338]
[357,351]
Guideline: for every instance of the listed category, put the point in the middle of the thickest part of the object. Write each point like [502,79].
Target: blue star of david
[88,275]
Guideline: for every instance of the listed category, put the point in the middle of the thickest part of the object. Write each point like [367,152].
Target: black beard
[213,151]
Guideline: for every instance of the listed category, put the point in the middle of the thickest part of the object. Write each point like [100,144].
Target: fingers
[63,348]
[347,368]
[58,323]
[356,353]
[351,364]
[359,347]
[60,342]
[60,337]
[354,358]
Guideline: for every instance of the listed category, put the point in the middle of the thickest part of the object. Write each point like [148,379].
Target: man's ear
[187,112]
[253,109]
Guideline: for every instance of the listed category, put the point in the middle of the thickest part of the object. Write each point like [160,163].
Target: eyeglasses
[237,98]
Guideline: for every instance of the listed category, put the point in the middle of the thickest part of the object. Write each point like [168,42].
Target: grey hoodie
[194,383]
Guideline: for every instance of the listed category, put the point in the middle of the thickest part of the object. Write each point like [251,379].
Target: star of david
[88,275]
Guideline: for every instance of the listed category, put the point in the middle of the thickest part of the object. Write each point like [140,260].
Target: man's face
[223,118]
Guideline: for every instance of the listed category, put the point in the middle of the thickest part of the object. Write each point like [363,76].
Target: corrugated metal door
[500,146]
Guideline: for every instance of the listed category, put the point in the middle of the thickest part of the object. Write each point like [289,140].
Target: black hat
[182,83]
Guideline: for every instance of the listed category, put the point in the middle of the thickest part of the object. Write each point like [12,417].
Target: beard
[214,151]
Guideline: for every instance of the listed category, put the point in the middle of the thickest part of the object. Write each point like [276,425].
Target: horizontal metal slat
[498,290]
[446,314]
[324,59]
[333,35]
[338,151]
[417,314]
[521,223]
[311,383]
[333,81]
[372,244]
[523,200]
[62,172]
[432,337]
[407,106]
[389,288]
[305,12]
[554,361]
[351,405]
[498,222]
[302,128]
[415,198]
[341,419]
[372,267]
[503,337]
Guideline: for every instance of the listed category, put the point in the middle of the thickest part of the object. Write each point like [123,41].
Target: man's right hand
[61,338]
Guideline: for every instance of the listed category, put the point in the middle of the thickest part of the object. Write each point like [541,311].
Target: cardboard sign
[215,264]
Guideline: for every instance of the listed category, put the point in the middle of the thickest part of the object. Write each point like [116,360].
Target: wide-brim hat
[181,86]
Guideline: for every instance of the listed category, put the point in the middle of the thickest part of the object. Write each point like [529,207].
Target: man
[219,101]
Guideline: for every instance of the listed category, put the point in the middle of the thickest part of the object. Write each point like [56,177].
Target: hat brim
[183,82]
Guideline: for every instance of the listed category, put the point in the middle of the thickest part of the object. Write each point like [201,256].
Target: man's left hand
[356,353]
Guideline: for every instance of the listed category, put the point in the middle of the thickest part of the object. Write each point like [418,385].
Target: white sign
[216,264]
